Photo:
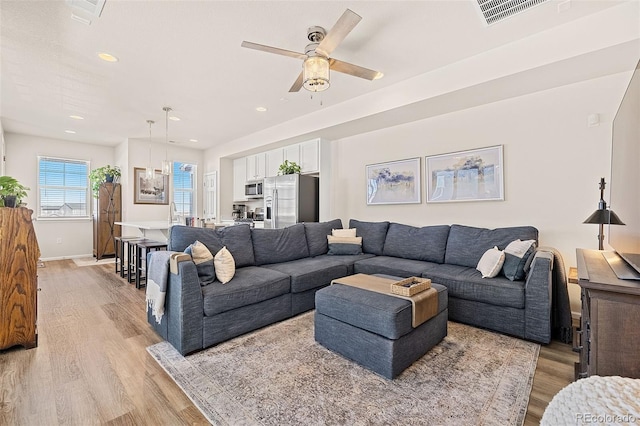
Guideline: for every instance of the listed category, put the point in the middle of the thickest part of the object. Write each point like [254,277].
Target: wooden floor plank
[91,365]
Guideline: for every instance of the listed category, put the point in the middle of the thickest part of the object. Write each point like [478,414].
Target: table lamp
[603,216]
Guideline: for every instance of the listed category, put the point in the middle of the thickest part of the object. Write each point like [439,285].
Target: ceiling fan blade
[275,50]
[340,30]
[354,70]
[297,85]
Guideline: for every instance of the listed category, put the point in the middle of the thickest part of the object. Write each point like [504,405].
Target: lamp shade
[315,73]
[604,216]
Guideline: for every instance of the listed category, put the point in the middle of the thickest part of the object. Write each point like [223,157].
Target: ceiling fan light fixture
[315,73]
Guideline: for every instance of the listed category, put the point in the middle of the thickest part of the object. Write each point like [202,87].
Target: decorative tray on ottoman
[410,286]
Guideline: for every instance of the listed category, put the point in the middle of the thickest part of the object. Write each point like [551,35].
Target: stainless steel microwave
[253,189]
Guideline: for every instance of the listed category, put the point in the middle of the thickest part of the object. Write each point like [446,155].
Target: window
[63,188]
[184,188]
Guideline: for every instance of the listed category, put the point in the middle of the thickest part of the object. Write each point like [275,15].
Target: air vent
[497,10]
[93,7]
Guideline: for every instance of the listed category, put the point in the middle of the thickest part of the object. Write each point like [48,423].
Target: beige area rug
[91,261]
[279,375]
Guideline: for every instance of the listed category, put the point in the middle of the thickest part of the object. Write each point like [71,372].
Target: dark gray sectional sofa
[278,272]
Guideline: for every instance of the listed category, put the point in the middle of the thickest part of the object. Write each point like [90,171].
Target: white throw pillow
[518,247]
[490,263]
[225,265]
[351,232]
[331,239]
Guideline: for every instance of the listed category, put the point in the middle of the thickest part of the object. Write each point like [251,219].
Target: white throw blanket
[157,276]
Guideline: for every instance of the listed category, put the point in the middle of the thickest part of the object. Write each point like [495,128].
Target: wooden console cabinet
[19,254]
[610,326]
[107,209]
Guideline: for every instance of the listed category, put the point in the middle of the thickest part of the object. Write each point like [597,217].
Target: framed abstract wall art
[395,182]
[150,191]
[474,175]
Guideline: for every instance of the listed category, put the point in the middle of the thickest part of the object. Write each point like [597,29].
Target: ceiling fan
[315,68]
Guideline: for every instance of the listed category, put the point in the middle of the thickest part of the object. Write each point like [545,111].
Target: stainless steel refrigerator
[290,199]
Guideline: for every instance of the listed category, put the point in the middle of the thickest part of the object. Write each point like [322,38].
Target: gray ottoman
[374,329]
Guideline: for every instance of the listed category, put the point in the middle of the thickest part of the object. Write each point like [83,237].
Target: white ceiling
[187,55]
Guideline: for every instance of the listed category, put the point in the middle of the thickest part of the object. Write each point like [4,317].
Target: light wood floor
[91,366]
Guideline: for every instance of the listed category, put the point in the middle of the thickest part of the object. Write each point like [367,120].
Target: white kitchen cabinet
[256,166]
[239,178]
[292,153]
[310,156]
[274,158]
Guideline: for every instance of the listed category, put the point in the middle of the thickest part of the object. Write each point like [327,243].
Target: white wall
[77,235]
[137,153]
[2,150]
[22,163]
[553,162]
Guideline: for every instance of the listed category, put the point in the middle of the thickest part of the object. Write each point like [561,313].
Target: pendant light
[166,164]
[150,172]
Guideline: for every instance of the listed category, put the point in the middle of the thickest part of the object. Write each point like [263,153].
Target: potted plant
[12,192]
[289,168]
[101,175]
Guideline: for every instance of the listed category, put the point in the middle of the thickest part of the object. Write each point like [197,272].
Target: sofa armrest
[181,323]
[538,291]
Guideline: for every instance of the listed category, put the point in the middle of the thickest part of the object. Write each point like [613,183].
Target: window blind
[63,189]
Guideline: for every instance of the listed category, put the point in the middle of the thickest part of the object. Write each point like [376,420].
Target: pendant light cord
[166,167]
[150,170]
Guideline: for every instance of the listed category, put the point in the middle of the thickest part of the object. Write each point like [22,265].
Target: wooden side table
[610,335]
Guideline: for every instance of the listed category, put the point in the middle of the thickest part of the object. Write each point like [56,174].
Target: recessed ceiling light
[70,131]
[261,109]
[193,140]
[107,57]
[174,118]
[76,117]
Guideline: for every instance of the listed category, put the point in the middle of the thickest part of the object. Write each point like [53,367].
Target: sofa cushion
[316,233]
[225,265]
[250,285]
[237,239]
[279,245]
[467,244]
[373,235]
[426,243]
[348,260]
[378,313]
[310,272]
[517,257]
[203,259]
[490,264]
[467,283]
[395,266]
[344,245]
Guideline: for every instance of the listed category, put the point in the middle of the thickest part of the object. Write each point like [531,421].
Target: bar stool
[142,249]
[120,260]
[132,248]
